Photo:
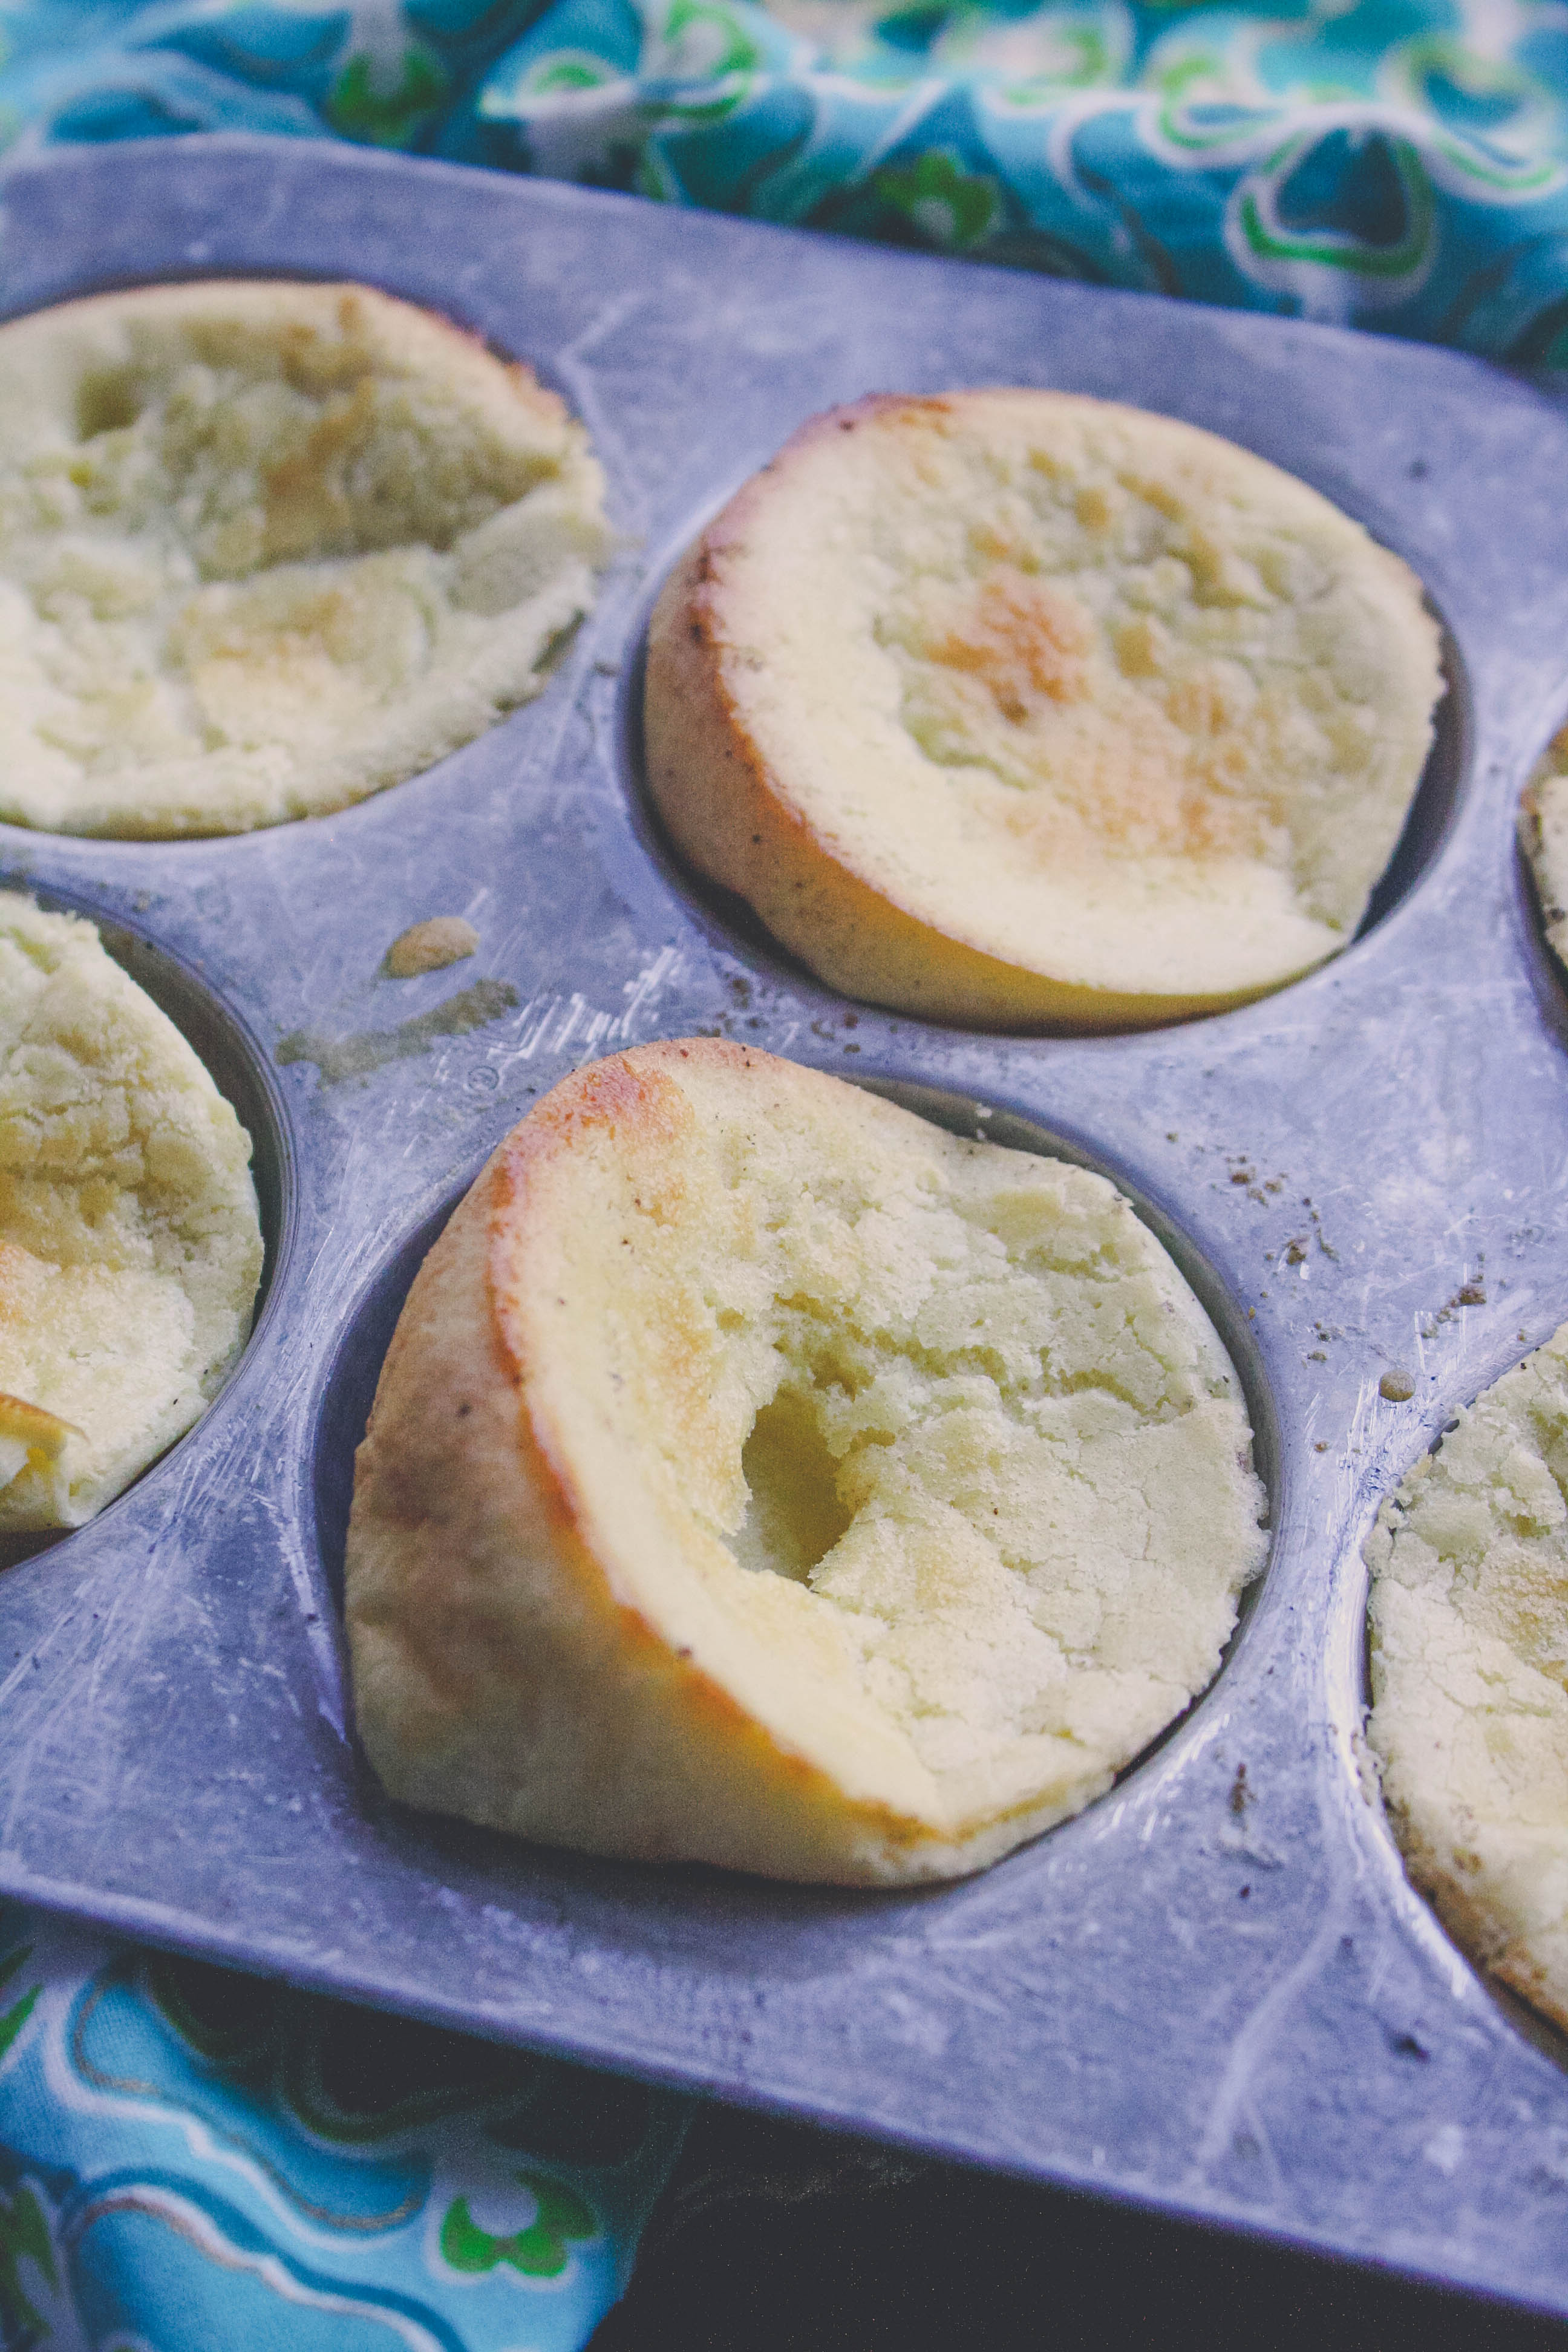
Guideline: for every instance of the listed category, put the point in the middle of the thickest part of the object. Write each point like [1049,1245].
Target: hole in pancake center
[107,402]
[795,1517]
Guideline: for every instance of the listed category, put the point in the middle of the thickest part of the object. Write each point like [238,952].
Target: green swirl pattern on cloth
[1392,163]
[191,2159]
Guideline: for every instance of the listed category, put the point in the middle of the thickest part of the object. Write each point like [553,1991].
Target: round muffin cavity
[761,1476]
[1028,709]
[266,548]
[1469,1677]
[129,1244]
[1544,833]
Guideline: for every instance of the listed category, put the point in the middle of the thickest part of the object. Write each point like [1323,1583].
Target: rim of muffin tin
[1434,820]
[222,1041]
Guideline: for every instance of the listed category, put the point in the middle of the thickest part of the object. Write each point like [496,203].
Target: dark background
[772,2234]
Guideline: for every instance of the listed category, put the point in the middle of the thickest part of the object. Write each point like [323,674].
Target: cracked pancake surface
[129,1244]
[759,1474]
[266,548]
[1469,1677]
[1026,708]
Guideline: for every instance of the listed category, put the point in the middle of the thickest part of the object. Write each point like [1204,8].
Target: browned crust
[1485,1940]
[497,1674]
[731,815]
[366,315]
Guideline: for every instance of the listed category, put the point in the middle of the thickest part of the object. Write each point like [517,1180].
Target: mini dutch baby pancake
[130,1244]
[1469,1677]
[761,1476]
[1030,711]
[266,548]
[1544,832]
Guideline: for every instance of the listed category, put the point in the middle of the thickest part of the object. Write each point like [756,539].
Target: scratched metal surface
[1237,2013]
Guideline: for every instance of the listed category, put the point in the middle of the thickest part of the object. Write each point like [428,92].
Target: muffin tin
[1213,1992]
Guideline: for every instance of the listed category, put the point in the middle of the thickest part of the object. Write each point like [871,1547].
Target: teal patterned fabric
[194,2161]
[1400,164]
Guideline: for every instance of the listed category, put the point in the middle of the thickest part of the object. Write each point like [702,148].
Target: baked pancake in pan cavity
[266,548]
[1544,836]
[761,1476]
[1469,1677]
[1029,710]
[130,1243]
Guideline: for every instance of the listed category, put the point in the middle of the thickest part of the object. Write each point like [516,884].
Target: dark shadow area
[772,2234]
[1431,813]
[351,1391]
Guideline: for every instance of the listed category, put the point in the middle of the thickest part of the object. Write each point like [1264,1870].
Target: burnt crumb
[1405,2045]
[465,1409]
[1241,1169]
[1242,1894]
[1321,1445]
[1317,1356]
[851,1021]
[1396,1387]
[1470,1292]
[1296,1252]
[1240,1794]
[740,989]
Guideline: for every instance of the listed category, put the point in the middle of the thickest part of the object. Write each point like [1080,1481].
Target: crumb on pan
[429,946]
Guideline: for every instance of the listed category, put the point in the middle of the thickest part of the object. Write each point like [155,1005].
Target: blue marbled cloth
[194,2161]
[189,2160]
[1392,163]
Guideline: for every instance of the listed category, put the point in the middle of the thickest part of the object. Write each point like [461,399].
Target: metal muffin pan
[1213,1992]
